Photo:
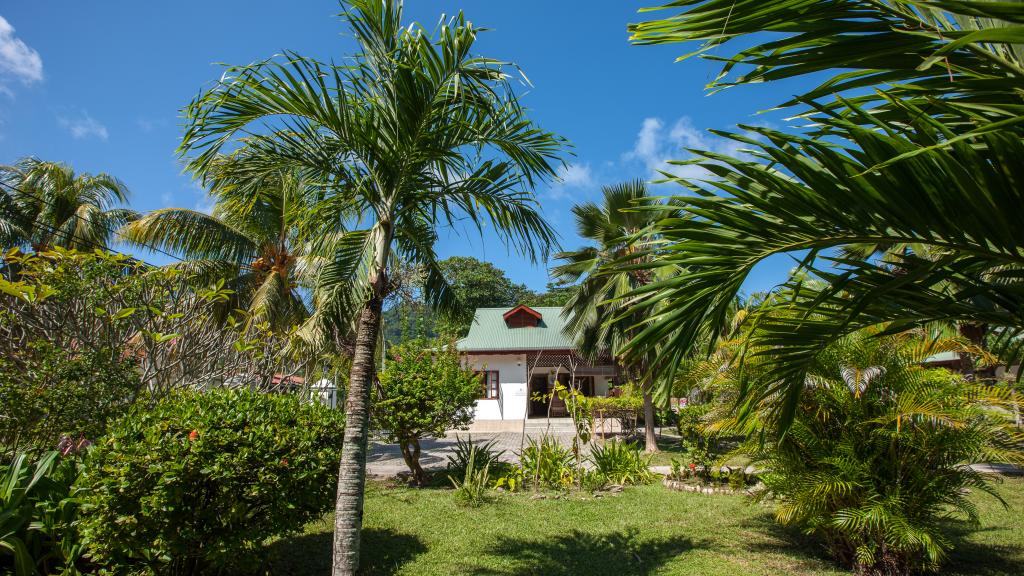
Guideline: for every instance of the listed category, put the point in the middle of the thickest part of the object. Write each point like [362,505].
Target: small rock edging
[702,489]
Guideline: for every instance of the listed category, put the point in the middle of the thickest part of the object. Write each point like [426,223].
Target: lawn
[644,530]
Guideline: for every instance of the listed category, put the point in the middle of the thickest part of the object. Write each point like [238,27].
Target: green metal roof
[489,332]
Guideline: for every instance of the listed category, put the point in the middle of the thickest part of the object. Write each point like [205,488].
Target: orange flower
[194,435]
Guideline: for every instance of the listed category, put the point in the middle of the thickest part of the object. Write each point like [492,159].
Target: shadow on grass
[968,557]
[382,552]
[787,540]
[616,553]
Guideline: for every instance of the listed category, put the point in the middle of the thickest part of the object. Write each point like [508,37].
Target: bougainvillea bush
[197,482]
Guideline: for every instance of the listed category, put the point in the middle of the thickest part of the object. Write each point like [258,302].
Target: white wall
[512,382]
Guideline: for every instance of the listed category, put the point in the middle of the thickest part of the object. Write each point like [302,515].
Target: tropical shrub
[546,463]
[201,479]
[880,450]
[472,490]
[48,392]
[621,462]
[623,403]
[37,516]
[477,456]
[424,391]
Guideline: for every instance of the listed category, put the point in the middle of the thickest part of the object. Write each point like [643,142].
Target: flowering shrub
[200,480]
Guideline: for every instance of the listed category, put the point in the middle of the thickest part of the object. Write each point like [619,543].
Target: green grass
[646,530]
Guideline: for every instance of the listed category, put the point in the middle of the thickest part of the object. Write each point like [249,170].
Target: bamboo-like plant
[881,449]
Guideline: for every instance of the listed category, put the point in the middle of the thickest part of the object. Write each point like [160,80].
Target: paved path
[385,460]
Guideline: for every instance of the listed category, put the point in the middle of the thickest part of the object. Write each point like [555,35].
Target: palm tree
[49,204]
[929,162]
[599,319]
[250,238]
[411,134]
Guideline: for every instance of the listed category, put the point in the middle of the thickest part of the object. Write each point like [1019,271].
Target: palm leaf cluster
[881,449]
[896,201]
[250,238]
[415,131]
[45,204]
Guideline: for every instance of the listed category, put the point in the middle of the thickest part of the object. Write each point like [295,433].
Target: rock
[538,497]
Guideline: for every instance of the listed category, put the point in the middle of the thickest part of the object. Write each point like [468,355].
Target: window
[489,384]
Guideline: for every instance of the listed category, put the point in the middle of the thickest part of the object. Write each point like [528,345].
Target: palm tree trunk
[348,510]
[650,439]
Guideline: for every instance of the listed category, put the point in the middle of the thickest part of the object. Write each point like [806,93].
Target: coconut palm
[603,273]
[249,239]
[929,163]
[413,133]
[49,204]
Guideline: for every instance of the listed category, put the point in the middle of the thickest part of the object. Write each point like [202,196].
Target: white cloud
[17,59]
[655,146]
[83,126]
[569,177]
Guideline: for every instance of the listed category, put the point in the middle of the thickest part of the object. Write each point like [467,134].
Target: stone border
[681,486]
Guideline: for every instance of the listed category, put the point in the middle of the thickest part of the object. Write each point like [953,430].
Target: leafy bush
[545,462]
[621,462]
[37,516]
[201,479]
[472,490]
[424,391]
[479,456]
[48,392]
[880,451]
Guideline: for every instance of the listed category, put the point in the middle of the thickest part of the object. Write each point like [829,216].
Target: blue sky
[100,85]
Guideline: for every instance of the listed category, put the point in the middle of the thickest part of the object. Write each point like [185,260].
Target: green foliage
[476,284]
[472,491]
[424,391]
[554,294]
[249,240]
[48,392]
[481,455]
[38,512]
[888,135]
[546,463]
[621,462]
[200,480]
[52,205]
[880,450]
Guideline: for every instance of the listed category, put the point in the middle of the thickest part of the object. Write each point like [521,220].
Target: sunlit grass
[644,530]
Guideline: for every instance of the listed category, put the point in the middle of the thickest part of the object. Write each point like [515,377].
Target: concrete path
[385,460]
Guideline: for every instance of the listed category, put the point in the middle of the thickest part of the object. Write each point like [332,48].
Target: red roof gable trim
[522,308]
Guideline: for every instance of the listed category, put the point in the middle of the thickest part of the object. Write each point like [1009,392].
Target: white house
[522,352]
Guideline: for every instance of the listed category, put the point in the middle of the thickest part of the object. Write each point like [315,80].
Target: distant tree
[47,204]
[424,391]
[554,294]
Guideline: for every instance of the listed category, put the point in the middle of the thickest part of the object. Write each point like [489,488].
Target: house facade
[520,353]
